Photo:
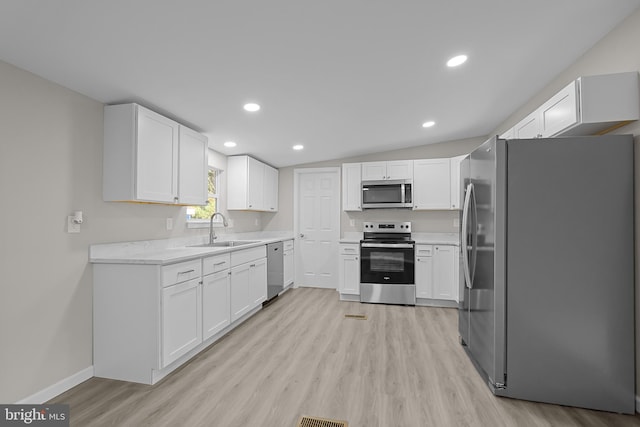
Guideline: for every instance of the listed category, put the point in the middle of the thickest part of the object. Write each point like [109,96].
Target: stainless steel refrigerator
[547,269]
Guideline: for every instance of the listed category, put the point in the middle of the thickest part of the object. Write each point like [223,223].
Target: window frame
[201,222]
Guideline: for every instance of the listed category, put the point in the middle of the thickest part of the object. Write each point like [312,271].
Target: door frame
[297,173]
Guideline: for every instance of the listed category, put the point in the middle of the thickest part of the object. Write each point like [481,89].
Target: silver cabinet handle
[186,272]
[301,235]
[220,263]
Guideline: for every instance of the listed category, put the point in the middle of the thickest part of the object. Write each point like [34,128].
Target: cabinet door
[351,187]
[374,171]
[257,282]
[181,320]
[560,112]
[431,184]
[508,134]
[400,169]
[193,168]
[216,303]
[529,127]
[255,187]
[289,271]
[270,189]
[240,295]
[349,274]
[444,278]
[424,271]
[456,202]
[156,157]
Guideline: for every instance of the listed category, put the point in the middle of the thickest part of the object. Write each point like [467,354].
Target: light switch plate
[72,227]
[169,223]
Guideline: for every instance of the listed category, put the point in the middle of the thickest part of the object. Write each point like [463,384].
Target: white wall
[51,165]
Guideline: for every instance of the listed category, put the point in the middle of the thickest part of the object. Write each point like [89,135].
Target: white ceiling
[341,77]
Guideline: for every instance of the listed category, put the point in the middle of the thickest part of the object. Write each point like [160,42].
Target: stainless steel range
[387,271]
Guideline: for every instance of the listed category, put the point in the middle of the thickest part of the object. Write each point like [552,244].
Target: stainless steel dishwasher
[275,269]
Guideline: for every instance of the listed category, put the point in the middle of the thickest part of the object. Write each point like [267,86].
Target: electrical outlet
[352,223]
[169,223]
[72,227]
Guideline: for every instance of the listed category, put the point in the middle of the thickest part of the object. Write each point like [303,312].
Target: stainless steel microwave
[387,194]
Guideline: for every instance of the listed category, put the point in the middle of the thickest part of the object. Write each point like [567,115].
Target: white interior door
[317,226]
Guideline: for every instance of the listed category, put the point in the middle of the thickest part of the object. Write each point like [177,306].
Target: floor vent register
[306,421]
[356,316]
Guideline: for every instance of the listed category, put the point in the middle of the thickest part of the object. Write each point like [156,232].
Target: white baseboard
[638,404]
[58,388]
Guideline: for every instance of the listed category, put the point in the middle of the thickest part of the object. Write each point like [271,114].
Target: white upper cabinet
[270,188]
[586,106]
[432,184]
[529,127]
[141,158]
[559,112]
[456,189]
[252,185]
[351,187]
[378,171]
[192,168]
[255,184]
[508,134]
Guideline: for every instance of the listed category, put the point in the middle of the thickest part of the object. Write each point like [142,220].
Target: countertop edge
[178,254]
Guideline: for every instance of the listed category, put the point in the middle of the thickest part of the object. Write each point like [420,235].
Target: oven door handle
[387,245]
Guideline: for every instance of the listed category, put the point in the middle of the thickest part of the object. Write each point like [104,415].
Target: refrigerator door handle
[464,237]
[474,236]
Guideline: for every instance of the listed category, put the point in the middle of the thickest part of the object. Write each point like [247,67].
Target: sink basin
[225,244]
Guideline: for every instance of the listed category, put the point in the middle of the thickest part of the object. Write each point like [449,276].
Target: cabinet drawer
[349,248]
[424,250]
[287,244]
[248,255]
[181,272]
[213,264]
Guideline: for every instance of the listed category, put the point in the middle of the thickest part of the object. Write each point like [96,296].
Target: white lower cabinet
[181,325]
[445,263]
[148,319]
[424,271]
[248,280]
[240,294]
[258,282]
[349,269]
[216,303]
[288,261]
[436,273]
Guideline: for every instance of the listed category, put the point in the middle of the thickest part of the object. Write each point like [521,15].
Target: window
[195,213]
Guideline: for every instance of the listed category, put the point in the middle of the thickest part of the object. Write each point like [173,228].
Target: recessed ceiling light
[457,60]
[428,124]
[230,144]
[251,107]
[298,147]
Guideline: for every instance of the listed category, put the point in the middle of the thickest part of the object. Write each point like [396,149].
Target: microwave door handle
[464,237]
[402,193]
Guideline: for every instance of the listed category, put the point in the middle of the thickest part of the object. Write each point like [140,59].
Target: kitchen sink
[225,244]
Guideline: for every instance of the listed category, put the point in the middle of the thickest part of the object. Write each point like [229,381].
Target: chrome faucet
[212,234]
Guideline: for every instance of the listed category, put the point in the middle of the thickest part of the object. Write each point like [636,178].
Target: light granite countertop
[169,251]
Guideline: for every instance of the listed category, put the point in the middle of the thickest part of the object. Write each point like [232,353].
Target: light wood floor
[401,367]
